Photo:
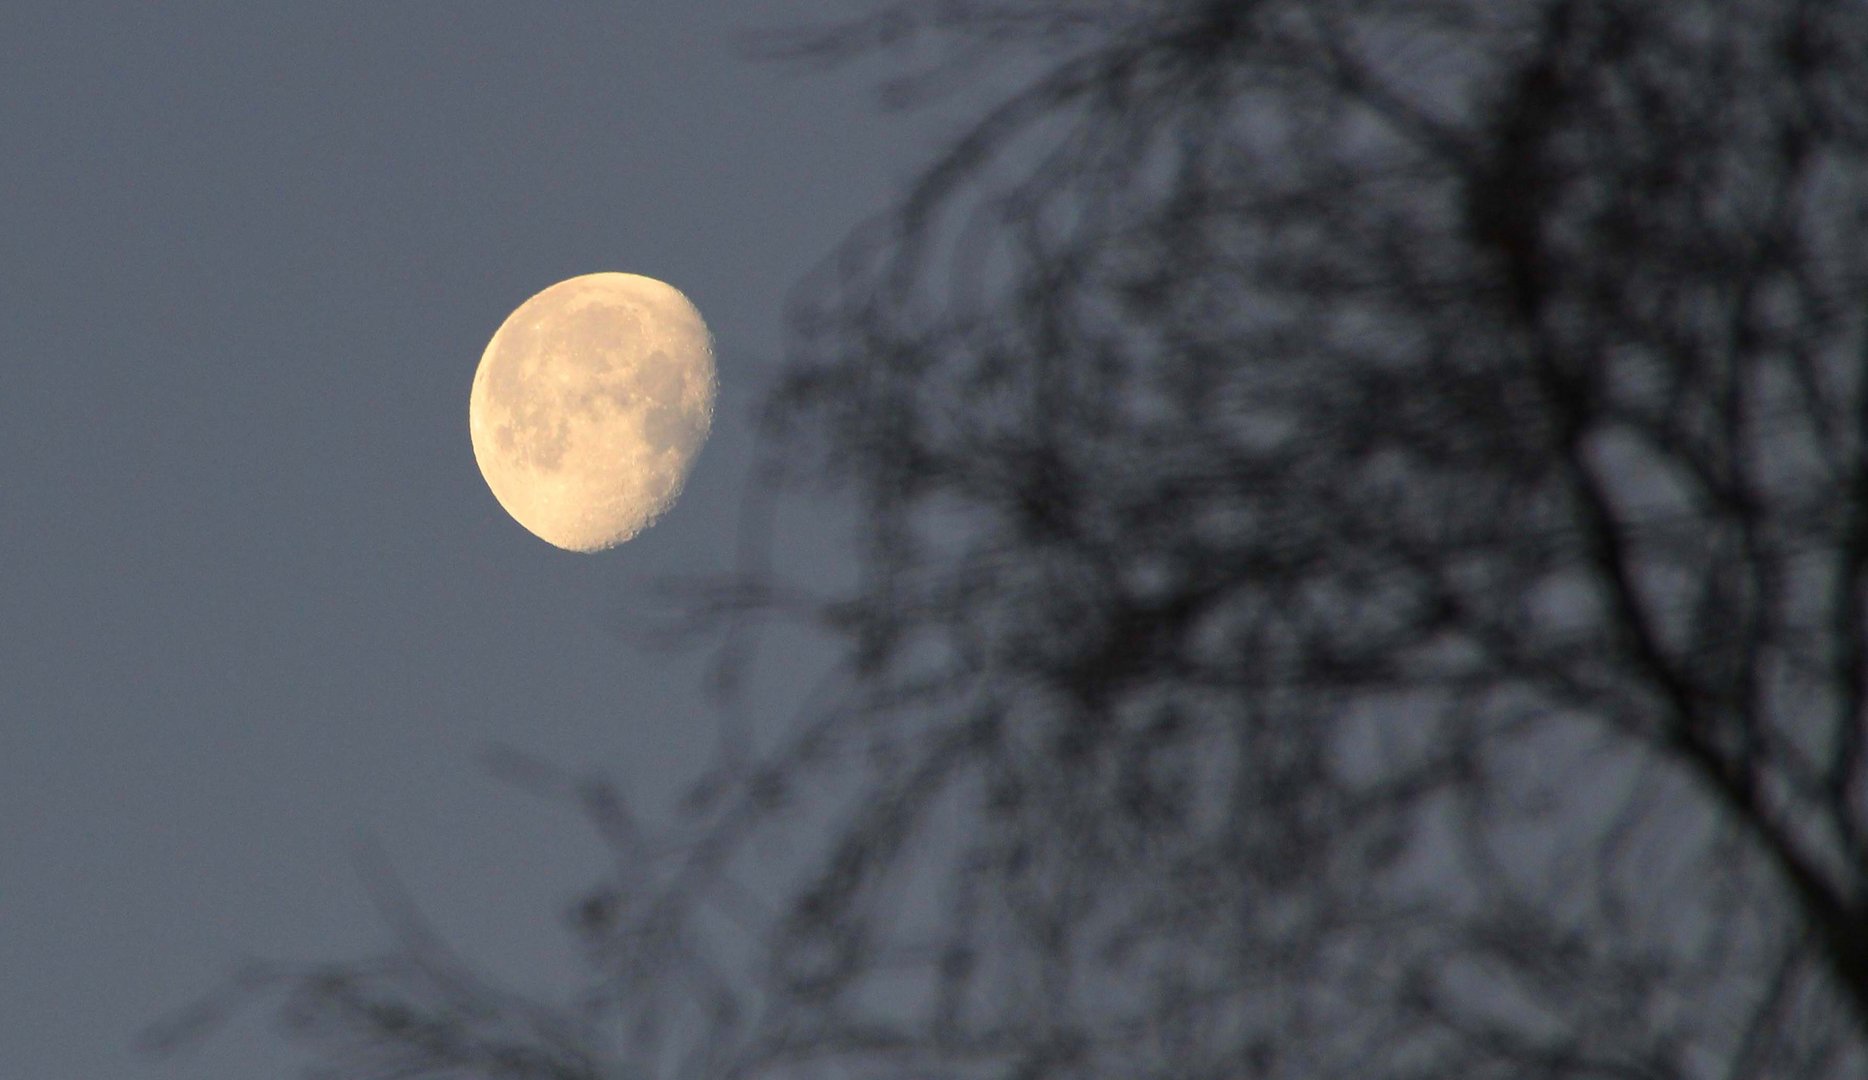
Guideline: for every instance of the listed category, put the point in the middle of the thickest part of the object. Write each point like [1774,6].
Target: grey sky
[257,599]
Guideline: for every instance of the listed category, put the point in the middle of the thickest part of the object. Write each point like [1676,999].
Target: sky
[259,606]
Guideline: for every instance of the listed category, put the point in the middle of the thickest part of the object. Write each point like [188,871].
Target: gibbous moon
[589,405]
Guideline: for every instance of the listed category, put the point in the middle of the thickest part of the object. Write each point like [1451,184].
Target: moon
[589,406]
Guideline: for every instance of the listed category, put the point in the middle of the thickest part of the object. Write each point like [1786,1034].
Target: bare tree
[1364,573]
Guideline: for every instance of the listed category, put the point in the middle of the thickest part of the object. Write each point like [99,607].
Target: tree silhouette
[1363,573]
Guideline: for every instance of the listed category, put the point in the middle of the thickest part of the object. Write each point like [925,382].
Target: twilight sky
[257,601]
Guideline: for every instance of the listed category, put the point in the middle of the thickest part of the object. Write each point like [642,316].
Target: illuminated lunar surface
[589,405]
